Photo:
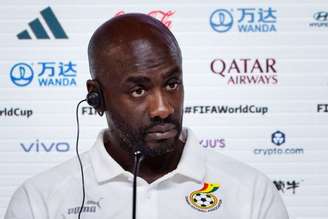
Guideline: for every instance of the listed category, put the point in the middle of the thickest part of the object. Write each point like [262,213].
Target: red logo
[163,16]
[246,71]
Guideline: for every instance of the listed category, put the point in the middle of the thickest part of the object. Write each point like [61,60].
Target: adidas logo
[39,30]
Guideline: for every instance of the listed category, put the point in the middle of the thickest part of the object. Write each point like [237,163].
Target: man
[136,67]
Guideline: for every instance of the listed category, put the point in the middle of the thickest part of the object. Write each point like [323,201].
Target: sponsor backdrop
[255,75]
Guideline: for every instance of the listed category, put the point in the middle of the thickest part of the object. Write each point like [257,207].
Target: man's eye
[138,92]
[172,86]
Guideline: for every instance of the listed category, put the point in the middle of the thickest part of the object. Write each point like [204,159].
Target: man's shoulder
[57,177]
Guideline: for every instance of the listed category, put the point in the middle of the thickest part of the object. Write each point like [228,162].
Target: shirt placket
[147,202]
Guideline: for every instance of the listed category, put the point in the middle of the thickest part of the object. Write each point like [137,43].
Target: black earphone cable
[138,157]
[78,156]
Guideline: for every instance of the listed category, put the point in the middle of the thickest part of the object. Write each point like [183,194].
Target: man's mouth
[161,132]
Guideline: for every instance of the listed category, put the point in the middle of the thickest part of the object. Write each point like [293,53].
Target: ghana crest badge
[203,199]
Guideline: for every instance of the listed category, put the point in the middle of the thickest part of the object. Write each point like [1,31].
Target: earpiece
[96,100]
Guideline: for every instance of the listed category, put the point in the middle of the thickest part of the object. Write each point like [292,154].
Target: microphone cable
[78,156]
[138,157]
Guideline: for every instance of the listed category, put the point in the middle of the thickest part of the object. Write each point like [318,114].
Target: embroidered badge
[203,199]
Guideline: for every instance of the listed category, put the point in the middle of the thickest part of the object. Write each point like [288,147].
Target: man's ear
[95,96]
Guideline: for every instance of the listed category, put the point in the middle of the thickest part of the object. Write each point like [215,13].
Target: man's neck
[151,168]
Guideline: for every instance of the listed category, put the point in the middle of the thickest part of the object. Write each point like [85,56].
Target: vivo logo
[39,146]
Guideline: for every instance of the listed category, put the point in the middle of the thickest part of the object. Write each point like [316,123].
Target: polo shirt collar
[191,164]
[104,166]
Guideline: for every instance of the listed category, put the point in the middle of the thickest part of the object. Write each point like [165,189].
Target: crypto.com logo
[21,74]
[163,16]
[221,20]
[278,138]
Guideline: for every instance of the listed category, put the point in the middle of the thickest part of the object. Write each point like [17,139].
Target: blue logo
[321,16]
[221,20]
[278,138]
[47,73]
[39,31]
[321,19]
[21,74]
[246,20]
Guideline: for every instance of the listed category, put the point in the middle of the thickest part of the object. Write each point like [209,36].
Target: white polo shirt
[205,185]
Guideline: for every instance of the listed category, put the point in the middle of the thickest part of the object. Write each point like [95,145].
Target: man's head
[136,62]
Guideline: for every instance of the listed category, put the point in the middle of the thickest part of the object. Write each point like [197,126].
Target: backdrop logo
[213,143]
[321,16]
[16,112]
[225,109]
[322,108]
[88,110]
[163,16]
[321,19]
[278,138]
[38,29]
[21,74]
[245,19]
[287,186]
[221,20]
[47,74]
[246,71]
[40,146]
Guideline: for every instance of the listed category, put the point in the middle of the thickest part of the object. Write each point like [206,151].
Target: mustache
[159,121]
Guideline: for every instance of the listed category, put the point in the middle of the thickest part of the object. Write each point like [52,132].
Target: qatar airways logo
[163,16]
[246,71]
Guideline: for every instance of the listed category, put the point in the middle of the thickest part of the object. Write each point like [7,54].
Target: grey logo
[91,206]
[278,138]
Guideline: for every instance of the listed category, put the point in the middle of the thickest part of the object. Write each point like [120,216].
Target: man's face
[144,96]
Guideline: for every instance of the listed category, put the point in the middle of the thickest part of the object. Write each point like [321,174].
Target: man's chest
[171,200]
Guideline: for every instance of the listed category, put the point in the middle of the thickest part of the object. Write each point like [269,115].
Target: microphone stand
[138,157]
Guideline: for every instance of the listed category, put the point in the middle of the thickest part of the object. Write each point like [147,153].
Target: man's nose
[160,106]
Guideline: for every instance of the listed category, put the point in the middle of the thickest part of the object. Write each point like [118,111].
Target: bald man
[136,68]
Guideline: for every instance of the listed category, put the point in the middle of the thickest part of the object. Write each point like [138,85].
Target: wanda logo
[163,16]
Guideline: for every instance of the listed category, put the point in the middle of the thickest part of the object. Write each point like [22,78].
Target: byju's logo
[278,138]
[321,19]
[38,29]
[247,20]
[213,143]
[21,74]
[49,74]
[40,146]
